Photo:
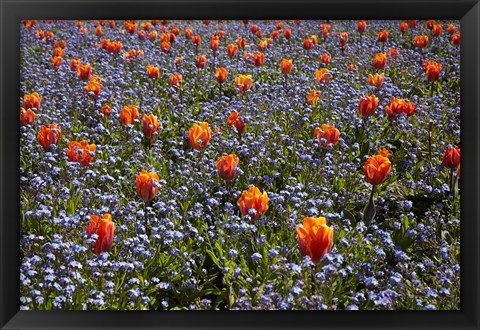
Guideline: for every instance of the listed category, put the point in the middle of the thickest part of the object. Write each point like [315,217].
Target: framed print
[202,164]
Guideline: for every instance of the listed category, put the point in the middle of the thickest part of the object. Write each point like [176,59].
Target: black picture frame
[468,11]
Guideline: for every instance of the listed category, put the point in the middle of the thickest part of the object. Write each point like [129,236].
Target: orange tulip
[380,61]
[430,24]
[313,97]
[412,23]
[367,105]
[322,75]
[32,101]
[49,135]
[437,30]
[114,47]
[315,238]
[221,75]
[49,36]
[308,44]
[61,43]
[98,31]
[329,133]
[398,106]
[81,152]
[432,70]
[376,169]
[253,203]
[196,40]
[361,26]
[146,26]
[178,61]
[153,72]
[84,71]
[199,136]
[392,52]
[325,30]
[287,33]
[56,61]
[147,184]
[152,36]
[226,166]
[188,33]
[325,58]
[150,125]
[451,158]
[130,26]
[343,38]
[403,27]
[104,229]
[74,64]
[142,34]
[376,80]
[263,45]
[94,85]
[232,50]
[275,34]
[420,41]
[258,59]
[201,61]
[175,80]
[106,110]
[243,83]
[214,43]
[451,29]
[165,46]
[286,66]
[27,117]
[456,39]
[58,51]
[236,122]
[383,36]
[242,43]
[128,114]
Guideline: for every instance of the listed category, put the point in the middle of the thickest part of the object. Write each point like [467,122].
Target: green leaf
[214,258]
[364,149]
[405,224]
[348,215]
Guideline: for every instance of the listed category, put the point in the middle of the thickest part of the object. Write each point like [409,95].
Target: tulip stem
[313,282]
[147,228]
[432,89]
[368,209]
[286,83]
[451,182]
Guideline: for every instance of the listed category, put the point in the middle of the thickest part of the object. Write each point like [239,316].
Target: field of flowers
[240,165]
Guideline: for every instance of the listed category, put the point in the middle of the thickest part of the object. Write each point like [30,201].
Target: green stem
[145,219]
[370,205]
[452,182]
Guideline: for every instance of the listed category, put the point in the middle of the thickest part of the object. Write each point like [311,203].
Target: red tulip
[376,169]
[451,158]
[226,166]
[315,238]
[104,228]
[147,184]
[49,135]
[253,203]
